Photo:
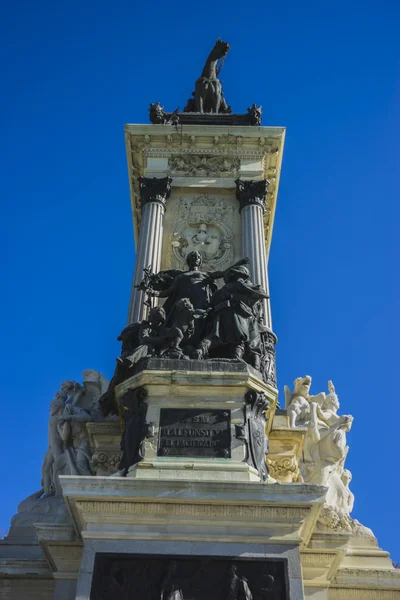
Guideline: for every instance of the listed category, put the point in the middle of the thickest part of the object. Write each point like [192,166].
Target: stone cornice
[242,511]
[87,487]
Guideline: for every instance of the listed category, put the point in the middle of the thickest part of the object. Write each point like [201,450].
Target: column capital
[251,192]
[154,189]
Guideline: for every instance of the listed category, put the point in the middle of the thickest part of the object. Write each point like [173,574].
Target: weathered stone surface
[35,508]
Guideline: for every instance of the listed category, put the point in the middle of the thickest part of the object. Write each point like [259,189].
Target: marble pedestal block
[285,447]
[195,390]
[105,438]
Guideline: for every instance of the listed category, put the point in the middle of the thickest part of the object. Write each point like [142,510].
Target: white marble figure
[73,432]
[95,385]
[298,401]
[56,446]
[325,450]
[339,494]
[68,451]
[324,453]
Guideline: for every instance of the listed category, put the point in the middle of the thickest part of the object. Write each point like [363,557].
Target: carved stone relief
[192,164]
[205,225]
[284,468]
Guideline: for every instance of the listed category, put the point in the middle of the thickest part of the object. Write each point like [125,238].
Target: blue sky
[73,73]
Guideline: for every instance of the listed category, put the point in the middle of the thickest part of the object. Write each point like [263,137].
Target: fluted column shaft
[251,196]
[153,196]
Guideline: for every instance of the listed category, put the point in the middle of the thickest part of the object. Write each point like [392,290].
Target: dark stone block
[193,118]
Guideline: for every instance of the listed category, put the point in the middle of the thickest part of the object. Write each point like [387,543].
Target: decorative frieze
[314,559]
[224,147]
[193,164]
[284,468]
[31,587]
[362,594]
[105,463]
[62,551]
[167,509]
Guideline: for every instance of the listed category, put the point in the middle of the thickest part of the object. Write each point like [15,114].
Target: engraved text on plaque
[194,432]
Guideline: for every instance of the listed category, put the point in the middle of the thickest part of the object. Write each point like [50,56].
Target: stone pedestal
[285,446]
[105,438]
[194,392]
[337,565]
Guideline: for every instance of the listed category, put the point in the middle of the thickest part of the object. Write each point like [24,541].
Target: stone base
[339,566]
[210,387]
[40,556]
[105,438]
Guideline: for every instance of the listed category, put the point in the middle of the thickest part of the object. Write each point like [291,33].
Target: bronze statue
[208,96]
[197,321]
[238,586]
[236,327]
[136,429]
[195,285]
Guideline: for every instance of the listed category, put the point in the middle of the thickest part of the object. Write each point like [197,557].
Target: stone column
[251,196]
[153,198]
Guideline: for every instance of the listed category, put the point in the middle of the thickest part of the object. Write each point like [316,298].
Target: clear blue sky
[73,73]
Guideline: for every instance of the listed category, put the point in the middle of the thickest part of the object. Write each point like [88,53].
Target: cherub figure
[298,402]
[329,407]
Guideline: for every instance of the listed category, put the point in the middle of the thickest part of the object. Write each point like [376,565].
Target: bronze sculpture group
[202,321]
[198,321]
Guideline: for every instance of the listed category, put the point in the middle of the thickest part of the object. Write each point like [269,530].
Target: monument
[181,477]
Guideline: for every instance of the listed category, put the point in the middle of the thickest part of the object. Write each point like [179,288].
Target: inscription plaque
[194,432]
[155,577]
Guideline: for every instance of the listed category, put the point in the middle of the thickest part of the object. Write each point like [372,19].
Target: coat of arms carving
[205,225]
